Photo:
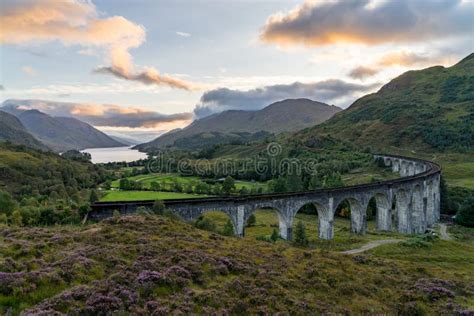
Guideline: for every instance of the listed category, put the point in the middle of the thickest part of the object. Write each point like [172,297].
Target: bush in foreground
[465,215]
[205,224]
[300,235]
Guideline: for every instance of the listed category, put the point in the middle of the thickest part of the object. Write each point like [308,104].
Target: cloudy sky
[155,65]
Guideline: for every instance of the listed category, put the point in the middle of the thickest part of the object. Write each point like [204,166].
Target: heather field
[158,265]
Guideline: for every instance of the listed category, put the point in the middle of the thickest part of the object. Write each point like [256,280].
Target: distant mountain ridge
[12,130]
[61,133]
[429,109]
[284,116]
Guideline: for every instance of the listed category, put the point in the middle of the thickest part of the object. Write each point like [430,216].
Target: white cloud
[329,91]
[183,34]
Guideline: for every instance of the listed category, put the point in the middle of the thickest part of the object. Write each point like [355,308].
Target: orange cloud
[148,76]
[87,110]
[109,115]
[316,23]
[403,58]
[78,23]
[70,22]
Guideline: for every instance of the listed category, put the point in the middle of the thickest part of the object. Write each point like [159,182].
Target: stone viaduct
[409,204]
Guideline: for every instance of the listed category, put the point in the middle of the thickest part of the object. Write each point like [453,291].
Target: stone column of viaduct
[409,204]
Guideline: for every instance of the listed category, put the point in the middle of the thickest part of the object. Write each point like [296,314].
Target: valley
[236,158]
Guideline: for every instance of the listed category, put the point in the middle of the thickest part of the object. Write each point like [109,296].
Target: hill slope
[157,266]
[31,173]
[284,116]
[90,136]
[12,130]
[63,133]
[426,109]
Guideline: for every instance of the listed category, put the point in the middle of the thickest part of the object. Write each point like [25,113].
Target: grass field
[164,179]
[457,168]
[145,195]
[367,175]
[267,221]
[459,174]
[167,181]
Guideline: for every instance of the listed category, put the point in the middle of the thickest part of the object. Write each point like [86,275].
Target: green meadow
[115,195]
[168,180]
[267,221]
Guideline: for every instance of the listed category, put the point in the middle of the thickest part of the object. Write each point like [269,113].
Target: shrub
[228,185]
[124,184]
[422,241]
[465,215]
[142,210]
[158,207]
[300,235]
[7,204]
[116,213]
[48,216]
[93,197]
[275,235]
[155,186]
[84,209]
[30,215]
[205,224]
[189,188]
[217,189]
[244,191]
[264,238]
[177,187]
[16,218]
[251,221]
[172,215]
[228,229]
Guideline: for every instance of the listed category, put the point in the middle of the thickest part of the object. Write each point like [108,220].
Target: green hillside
[137,265]
[30,173]
[209,139]
[12,130]
[430,109]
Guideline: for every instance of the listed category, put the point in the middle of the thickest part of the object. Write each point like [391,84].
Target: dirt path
[443,231]
[370,245]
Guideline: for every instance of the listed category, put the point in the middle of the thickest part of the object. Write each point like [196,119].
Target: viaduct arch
[416,196]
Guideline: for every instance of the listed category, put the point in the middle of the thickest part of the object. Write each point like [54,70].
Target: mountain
[283,116]
[12,130]
[208,139]
[429,109]
[125,140]
[63,133]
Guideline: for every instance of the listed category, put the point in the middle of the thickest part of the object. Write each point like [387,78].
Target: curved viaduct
[409,204]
